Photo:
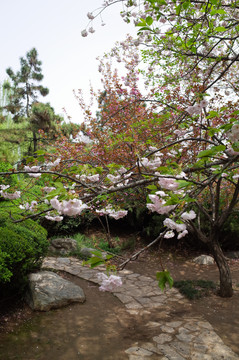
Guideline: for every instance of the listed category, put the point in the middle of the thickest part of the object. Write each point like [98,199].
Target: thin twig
[135,256]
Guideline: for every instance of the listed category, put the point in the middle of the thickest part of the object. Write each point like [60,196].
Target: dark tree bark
[224,269]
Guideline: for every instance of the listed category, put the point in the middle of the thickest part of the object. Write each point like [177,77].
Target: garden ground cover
[103,325]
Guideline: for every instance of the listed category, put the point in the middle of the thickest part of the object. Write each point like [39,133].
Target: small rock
[48,290]
[204,260]
[86,253]
[63,246]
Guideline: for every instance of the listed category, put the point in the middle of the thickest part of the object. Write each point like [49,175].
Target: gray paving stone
[138,351]
[133,276]
[85,275]
[169,353]
[157,298]
[144,300]
[125,299]
[65,261]
[174,324]
[200,356]
[125,272]
[182,348]
[150,347]
[162,338]
[185,337]
[153,324]
[222,350]
[154,305]
[146,278]
[192,327]
[133,305]
[205,325]
[167,329]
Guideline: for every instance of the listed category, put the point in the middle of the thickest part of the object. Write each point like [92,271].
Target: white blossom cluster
[158,204]
[109,283]
[181,228]
[112,213]
[197,109]
[9,196]
[71,207]
[233,135]
[34,170]
[27,206]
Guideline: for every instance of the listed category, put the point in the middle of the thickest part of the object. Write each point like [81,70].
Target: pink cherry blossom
[173,225]
[169,234]
[4,187]
[55,203]
[9,196]
[84,33]
[54,218]
[72,207]
[151,164]
[182,234]
[168,183]
[49,189]
[27,206]
[188,215]
[203,103]
[90,16]
[113,178]
[32,171]
[118,214]
[159,206]
[109,283]
[94,178]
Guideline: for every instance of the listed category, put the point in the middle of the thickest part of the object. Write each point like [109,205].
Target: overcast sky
[54,28]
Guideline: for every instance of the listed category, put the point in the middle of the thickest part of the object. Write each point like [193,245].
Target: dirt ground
[102,329]
[223,314]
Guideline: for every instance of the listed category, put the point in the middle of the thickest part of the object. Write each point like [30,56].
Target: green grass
[99,244]
[194,289]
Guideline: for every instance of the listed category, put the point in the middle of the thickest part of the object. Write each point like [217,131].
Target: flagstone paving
[191,338]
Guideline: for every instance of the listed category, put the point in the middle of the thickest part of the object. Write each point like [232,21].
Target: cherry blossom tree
[178,142]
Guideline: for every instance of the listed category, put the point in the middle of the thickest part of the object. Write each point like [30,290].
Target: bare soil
[101,328]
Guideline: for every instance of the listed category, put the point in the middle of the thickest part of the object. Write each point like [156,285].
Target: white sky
[54,28]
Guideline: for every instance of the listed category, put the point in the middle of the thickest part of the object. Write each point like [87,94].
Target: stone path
[191,338]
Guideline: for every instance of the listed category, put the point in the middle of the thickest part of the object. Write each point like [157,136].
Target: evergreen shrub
[22,248]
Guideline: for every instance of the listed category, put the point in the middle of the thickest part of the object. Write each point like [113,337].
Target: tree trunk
[34,143]
[224,270]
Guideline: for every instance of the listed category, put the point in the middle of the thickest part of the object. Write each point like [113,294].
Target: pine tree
[25,89]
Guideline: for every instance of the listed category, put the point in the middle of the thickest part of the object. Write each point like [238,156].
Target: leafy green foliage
[7,180]
[195,289]
[97,259]
[22,247]
[164,278]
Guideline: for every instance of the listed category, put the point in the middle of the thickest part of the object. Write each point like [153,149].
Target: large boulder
[63,246]
[204,260]
[48,290]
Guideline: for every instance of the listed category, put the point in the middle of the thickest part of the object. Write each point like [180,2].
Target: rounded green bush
[22,248]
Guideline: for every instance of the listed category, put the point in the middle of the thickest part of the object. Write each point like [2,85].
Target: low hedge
[22,248]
